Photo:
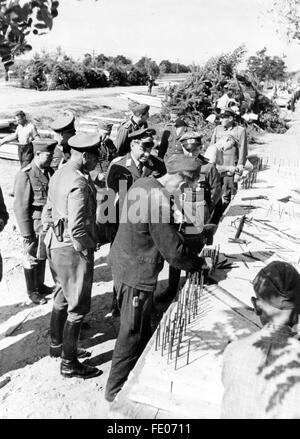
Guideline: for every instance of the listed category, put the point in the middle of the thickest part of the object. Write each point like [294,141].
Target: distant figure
[261,373]
[227,98]
[25,133]
[150,84]
[238,154]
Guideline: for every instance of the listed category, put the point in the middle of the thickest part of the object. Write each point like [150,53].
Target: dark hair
[20,114]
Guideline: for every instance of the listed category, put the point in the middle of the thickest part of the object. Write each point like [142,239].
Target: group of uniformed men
[55,206]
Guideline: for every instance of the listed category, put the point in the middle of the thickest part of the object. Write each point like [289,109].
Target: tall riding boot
[30,279]
[57,323]
[40,278]
[70,366]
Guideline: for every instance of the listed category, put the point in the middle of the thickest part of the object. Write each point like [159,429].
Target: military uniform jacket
[213,183]
[139,249]
[3,211]
[72,197]
[234,156]
[31,189]
[168,141]
[108,152]
[124,169]
[122,141]
[60,150]
[210,178]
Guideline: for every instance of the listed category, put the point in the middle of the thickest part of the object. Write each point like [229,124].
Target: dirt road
[30,383]
[44,106]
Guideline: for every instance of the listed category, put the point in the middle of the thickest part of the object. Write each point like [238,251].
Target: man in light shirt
[217,154]
[261,372]
[25,133]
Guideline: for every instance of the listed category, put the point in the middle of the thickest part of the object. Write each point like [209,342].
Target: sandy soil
[44,106]
[30,383]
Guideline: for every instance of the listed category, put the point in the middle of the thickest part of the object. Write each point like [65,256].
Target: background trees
[287,15]
[166,66]
[266,67]
[196,99]
[18,20]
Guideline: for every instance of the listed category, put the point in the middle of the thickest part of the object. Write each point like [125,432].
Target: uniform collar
[278,331]
[136,162]
[136,125]
[75,165]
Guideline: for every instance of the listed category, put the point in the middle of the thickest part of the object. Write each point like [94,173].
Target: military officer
[190,144]
[31,188]
[71,240]
[126,170]
[135,164]
[107,152]
[137,256]
[64,128]
[239,154]
[170,136]
[138,120]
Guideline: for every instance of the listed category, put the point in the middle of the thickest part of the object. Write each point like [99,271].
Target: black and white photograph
[149,212]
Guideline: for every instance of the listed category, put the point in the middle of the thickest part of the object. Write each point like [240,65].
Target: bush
[94,77]
[197,101]
[117,76]
[67,75]
[136,77]
[271,122]
[34,76]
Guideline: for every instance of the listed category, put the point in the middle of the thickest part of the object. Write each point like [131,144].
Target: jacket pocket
[138,301]
[149,260]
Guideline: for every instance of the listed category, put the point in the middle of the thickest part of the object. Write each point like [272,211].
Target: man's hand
[29,246]
[209,231]
[231,169]
[101,176]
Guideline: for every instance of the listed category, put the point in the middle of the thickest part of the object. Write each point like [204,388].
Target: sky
[185,31]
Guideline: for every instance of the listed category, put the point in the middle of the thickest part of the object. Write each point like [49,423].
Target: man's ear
[256,306]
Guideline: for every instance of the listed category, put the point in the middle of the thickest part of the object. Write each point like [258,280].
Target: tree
[148,66]
[121,60]
[101,60]
[165,66]
[287,16]
[87,59]
[16,22]
[266,67]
